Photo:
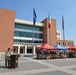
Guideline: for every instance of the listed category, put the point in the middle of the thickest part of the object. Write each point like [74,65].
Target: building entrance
[29,50]
[21,50]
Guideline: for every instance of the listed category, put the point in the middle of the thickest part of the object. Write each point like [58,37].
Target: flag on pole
[49,20]
[34,16]
[62,22]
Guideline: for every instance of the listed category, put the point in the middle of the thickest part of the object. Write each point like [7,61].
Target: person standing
[7,57]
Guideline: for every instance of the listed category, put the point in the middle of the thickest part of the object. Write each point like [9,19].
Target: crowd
[55,54]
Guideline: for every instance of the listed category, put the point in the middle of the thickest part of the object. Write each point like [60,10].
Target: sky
[57,8]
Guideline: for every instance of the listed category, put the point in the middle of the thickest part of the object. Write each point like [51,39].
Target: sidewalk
[30,66]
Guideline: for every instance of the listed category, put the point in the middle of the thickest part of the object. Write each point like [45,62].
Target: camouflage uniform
[7,58]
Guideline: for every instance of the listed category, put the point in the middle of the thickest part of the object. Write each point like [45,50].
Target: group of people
[47,54]
[7,57]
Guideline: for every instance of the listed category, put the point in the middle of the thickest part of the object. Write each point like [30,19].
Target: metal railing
[27,44]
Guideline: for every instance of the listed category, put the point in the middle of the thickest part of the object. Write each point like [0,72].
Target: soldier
[7,57]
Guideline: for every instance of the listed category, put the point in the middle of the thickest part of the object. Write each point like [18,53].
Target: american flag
[34,16]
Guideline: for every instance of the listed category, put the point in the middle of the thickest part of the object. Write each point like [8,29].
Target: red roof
[48,47]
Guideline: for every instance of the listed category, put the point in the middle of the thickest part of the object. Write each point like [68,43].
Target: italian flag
[49,20]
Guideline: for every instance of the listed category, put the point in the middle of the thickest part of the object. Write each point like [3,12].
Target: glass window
[21,50]
[64,43]
[72,44]
[28,27]
[57,33]
[27,34]
[27,41]
[29,50]
[68,44]
[59,43]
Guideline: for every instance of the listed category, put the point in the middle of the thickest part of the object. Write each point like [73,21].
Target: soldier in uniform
[7,57]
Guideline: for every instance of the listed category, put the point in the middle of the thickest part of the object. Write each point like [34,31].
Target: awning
[58,47]
[47,47]
[72,48]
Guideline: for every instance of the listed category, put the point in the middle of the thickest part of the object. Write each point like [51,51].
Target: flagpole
[33,40]
[50,32]
[64,37]
[63,30]
[50,36]
[33,34]
[49,23]
[34,20]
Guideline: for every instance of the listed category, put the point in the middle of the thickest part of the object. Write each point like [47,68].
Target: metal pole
[63,37]
[63,30]
[50,32]
[34,20]
[33,35]
[33,39]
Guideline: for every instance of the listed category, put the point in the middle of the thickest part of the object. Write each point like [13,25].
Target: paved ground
[32,66]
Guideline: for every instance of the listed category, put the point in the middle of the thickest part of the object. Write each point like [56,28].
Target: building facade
[58,35]
[23,37]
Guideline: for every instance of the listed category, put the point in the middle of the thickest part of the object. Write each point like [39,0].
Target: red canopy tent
[72,48]
[47,47]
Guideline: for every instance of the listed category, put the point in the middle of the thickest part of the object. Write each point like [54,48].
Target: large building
[23,37]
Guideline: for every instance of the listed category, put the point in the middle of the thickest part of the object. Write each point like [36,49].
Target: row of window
[69,44]
[28,27]
[27,41]
[28,34]
[57,33]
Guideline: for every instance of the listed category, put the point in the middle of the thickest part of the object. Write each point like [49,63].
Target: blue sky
[57,8]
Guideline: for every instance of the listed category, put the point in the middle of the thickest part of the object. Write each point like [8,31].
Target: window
[59,43]
[27,34]
[64,43]
[58,33]
[28,27]
[29,50]
[70,44]
[27,41]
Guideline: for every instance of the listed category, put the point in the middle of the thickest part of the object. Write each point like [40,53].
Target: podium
[14,60]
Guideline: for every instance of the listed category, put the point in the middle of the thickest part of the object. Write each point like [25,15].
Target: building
[18,34]
[61,42]
[58,34]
